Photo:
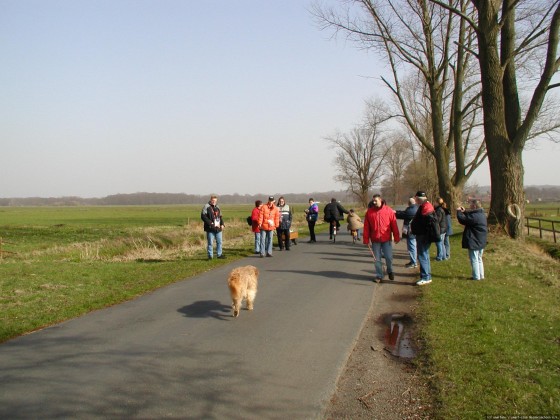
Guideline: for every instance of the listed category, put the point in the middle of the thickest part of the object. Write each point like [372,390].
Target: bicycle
[334,229]
[354,236]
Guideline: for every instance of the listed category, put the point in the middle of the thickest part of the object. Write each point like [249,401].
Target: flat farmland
[61,262]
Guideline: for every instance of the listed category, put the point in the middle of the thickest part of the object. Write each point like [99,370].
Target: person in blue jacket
[311,215]
[474,235]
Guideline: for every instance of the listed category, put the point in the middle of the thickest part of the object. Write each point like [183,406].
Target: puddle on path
[397,336]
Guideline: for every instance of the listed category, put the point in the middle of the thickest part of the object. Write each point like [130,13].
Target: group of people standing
[267,218]
[416,218]
[379,230]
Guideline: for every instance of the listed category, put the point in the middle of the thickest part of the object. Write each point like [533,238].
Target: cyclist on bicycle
[334,213]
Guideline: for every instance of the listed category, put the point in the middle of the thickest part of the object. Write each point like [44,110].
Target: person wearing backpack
[421,224]
[255,226]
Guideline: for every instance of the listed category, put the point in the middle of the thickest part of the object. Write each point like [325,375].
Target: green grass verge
[493,347]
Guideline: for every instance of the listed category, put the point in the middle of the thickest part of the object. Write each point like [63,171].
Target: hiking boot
[222,257]
[410,265]
[391,276]
[378,279]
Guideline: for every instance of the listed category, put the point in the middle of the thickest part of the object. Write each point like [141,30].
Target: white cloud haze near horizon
[106,97]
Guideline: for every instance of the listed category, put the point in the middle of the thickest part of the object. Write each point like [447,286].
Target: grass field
[488,348]
[493,347]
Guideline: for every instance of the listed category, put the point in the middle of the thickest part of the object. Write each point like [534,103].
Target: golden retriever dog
[242,283]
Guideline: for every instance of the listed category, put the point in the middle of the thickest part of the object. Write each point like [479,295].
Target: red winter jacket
[255,218]
[379,223]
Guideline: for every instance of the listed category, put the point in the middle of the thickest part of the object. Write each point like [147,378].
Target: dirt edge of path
[375,384]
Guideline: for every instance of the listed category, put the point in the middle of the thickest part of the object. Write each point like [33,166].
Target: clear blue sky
[119,96]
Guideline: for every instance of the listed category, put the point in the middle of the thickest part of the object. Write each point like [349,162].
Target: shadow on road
[206,309]
[329,274]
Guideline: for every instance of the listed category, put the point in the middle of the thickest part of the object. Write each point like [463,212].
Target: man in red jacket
[380,227]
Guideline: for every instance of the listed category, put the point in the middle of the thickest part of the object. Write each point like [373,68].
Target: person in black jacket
[474,235]
[407,215]
[419,227]
[334,212]
[213,226]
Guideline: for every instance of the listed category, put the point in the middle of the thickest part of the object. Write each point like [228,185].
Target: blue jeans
[210,237]
[477,265]
[423,245]
[266,242]
[411,247]
[257,242]
[387,249]
[447,246]
[440,256]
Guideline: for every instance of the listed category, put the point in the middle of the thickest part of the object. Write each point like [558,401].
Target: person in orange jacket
[269,220]
[380,227]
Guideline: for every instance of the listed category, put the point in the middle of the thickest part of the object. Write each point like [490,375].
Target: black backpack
[432,228]
[249,220]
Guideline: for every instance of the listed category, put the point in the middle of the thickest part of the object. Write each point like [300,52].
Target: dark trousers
[311,225]
[286,242]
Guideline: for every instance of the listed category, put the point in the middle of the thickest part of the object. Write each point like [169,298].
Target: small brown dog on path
[242,283]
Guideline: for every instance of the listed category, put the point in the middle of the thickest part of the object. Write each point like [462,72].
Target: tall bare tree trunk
[504,153]
[508,197]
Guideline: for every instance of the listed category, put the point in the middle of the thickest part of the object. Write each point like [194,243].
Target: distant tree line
[545,193]
[145,199]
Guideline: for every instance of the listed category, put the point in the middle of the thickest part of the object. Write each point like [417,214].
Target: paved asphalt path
[178,352]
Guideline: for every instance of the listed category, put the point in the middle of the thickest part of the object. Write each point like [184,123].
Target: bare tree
[433,81]
[512,34]
[397,159]
[361,152]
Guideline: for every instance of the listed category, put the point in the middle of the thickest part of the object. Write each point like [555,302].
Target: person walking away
[311,215]
[255,226]
[269,220]
[380,227]
[283,230]
[334,213]
[213,226]
[449,230]
[419,226]
[442,221]
[407,215]
[474,235]
[354,223]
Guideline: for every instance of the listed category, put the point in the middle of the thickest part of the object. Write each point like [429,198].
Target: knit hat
[420,194]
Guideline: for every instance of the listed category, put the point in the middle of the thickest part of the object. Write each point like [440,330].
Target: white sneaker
[422,282]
